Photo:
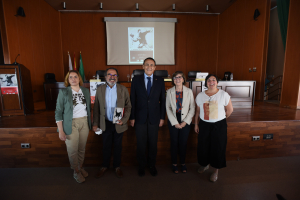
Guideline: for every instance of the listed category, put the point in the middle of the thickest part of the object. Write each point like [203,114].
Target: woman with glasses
[180,108]
[214,106]
[72,116]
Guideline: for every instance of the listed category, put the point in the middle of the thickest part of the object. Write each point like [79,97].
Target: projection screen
[132,39]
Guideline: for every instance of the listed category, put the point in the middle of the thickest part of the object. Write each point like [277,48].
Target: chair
[161,73]
[228,77]
[50,78]
[101,73]
[192,74]
[138,72]
[48,84]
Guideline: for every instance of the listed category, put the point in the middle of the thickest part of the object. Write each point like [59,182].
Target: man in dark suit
[147,114]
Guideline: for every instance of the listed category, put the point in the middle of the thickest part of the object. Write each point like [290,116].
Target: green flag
[81,69]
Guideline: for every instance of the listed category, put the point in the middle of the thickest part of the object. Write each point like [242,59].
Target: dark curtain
[283,16]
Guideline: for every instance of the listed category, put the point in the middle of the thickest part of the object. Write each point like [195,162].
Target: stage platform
[39,129]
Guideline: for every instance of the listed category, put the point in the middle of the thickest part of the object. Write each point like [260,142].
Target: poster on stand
[9,84]
[201,77]
[94,84]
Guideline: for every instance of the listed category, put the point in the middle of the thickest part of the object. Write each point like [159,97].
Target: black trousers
[212,141]
[111,137]
[179,139]
[146,135]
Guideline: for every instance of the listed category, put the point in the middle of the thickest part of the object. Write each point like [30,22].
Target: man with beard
[108,97]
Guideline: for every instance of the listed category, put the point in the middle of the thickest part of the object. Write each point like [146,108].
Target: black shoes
[153,171]
[175,169]
[183,168]
[141,172]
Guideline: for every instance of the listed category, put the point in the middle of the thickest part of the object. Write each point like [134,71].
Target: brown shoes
[101,172]
[119,172]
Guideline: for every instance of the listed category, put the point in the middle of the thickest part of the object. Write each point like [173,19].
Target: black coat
[143,106]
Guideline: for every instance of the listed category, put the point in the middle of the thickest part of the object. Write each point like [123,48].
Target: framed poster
[94,84]
[9,84]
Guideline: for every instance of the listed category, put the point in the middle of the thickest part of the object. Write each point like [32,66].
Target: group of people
[145,108]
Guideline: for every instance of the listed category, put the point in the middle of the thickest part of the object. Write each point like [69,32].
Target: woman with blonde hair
[72,116]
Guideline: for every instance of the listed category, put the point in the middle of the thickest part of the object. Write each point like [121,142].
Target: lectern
[16,91]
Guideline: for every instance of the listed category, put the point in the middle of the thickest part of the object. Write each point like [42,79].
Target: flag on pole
[81,69]
[70,62]
[75,68]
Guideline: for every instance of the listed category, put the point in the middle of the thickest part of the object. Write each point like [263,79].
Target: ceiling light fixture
[173,7]
[137,6]
[64,5]
[101,6]
[207,8]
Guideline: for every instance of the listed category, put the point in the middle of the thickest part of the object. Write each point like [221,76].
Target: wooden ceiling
[184,6]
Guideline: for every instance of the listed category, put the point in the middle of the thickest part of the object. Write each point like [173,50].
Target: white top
[79,104]
[212,107]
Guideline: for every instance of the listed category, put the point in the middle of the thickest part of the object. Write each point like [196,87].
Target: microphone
[16,59]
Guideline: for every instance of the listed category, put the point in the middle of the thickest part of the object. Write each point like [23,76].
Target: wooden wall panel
[11,26]
[190,55]
[181,43]
[192,43]
[48,151]
[99,38]
[5,50]
[226,46]
[86,47]
[36,38]
[290,86]
[207,43]
[286,140]
[201,43]
[249,39]
[261,44]
[241,42]
[232,41]
[45,42]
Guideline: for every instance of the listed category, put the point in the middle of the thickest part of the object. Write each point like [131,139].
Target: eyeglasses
[177,77]
[112,75]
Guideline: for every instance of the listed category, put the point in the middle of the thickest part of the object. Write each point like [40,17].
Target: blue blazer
[143,106]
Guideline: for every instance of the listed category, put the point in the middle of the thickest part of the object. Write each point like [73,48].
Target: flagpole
[70,62]
[81,69]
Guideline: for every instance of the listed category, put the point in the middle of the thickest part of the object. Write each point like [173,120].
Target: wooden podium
[16,91]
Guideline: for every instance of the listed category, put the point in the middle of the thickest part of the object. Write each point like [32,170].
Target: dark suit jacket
[143,106]
[123,101]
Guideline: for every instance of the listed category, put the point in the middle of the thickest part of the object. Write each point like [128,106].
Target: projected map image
[140,43]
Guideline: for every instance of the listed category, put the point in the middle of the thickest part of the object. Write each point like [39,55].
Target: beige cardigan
[188,106]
